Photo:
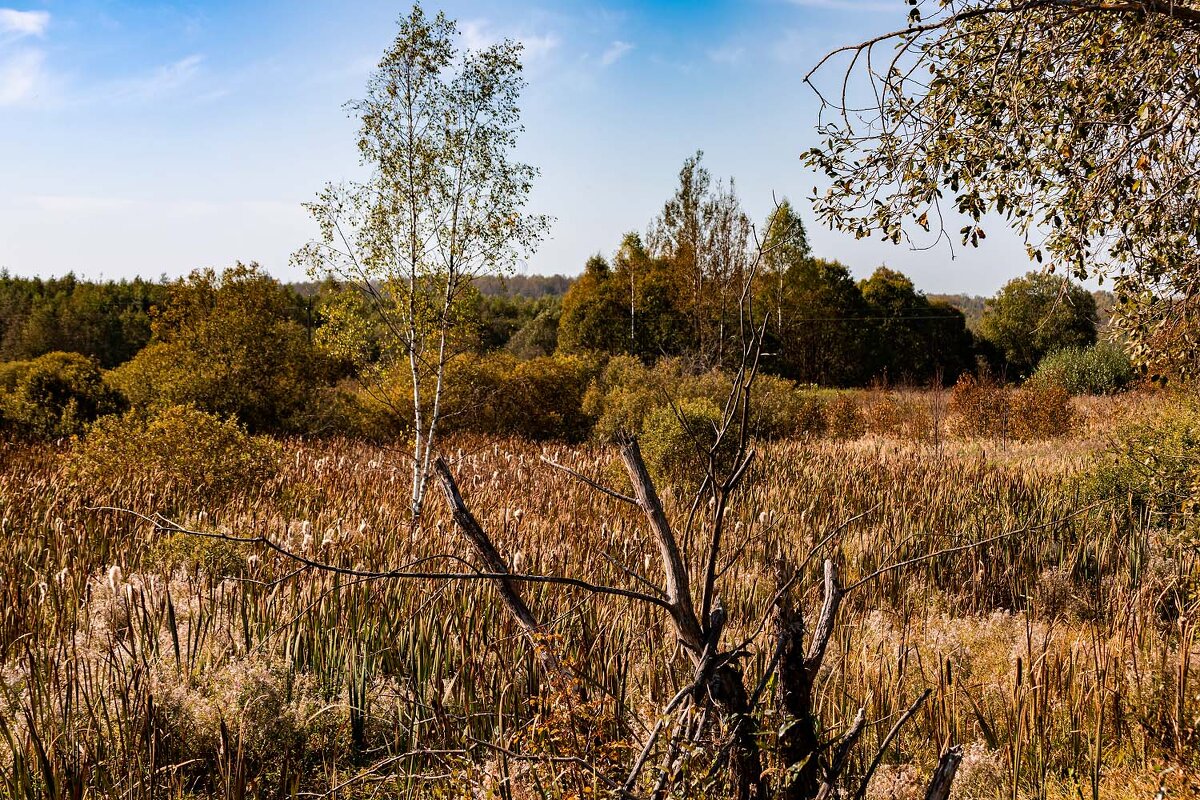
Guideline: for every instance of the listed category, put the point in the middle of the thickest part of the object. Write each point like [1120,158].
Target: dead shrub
[978,407]
[844,417]
[981,407]
[1040,411]
[898,415]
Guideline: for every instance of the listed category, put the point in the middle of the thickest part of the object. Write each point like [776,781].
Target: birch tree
[705,234]
[442,202]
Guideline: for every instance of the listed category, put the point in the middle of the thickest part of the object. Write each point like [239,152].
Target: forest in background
[309,357]
[110,321]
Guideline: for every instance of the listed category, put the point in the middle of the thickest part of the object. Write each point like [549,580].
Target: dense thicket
[237,344]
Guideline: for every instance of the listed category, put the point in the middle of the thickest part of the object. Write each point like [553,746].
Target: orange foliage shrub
[844,417]
[978,407]
[1040,411]
[898,415]
[981,407]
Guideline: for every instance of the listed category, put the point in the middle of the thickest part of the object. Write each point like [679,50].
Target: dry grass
[135,666]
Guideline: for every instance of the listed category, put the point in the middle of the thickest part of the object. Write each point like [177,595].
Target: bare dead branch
[594,484]
[487,552]
[679,594]
[165,525]
[841,752]
[887,740]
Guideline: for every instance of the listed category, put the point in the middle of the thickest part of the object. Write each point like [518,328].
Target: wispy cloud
[22,74]
[163,81]
[478,34]
[17,24]
[792,47]
[726,54]
[615,52]
[539,46]
[22,67]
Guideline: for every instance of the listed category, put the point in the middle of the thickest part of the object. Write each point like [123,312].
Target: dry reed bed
[140,665]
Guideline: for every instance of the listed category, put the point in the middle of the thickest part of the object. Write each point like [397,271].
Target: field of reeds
[1055,629]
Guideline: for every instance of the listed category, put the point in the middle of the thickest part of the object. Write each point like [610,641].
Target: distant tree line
[667,294]
[281,358]
[108,321]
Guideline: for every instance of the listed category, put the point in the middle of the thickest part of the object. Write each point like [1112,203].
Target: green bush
[54,395]
[809,412]
[180,453]
[627,393]
[349,409]
[232,345]
[548,397]
[1152,467]
[499,394]
[677,437]
[494,393]
[1102,368]
[197,555]
[780,410]
[538,337]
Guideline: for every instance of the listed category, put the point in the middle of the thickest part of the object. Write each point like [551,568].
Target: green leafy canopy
[1077,123]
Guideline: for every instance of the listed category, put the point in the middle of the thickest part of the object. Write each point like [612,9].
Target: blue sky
[151,138]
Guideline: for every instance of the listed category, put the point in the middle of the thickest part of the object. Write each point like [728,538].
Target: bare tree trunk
[798,739]
[679,592]
[800,743]
[493,562]
[718,678]
[943,776]
[418,431]
[727,688]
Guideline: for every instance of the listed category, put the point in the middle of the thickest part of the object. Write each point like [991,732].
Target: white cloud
[728,54]
[162,81]
[477,34]
[21,76]
[16,24]
[853,5]
[615,52]
[22,69]
[539,46]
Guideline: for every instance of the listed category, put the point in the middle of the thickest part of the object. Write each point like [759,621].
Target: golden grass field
[1062,656]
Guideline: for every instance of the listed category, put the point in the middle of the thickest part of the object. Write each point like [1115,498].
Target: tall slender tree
[705,235]
[442,203]
[678,234]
